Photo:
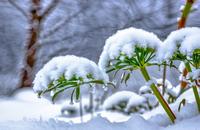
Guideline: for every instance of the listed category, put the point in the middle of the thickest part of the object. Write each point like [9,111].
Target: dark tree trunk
[31,44]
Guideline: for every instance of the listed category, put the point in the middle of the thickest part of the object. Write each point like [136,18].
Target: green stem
[196,95]
[194,88]
[158,95]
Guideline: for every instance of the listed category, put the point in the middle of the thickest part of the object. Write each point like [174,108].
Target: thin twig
[60,24]
[50,8]
[18,8]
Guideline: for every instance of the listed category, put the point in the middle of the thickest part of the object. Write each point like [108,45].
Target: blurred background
[79,27]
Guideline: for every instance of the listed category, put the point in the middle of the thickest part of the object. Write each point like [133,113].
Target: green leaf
[59,91]
[72,96]
[111,84]
[127,77]
[122,77]
[97,81]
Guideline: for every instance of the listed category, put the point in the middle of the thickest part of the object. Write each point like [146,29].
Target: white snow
[68,65]
[124,41]
[25,104]
[181,67]
[145,89]
[185,38]
[151,99]
[190,43]
[136,100]
[187,118]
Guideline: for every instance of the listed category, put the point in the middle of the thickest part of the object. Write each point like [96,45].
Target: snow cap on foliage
[190,44]
[124,41]
[186,38]
[68,66]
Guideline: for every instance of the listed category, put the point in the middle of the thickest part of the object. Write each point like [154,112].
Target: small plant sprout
[131,49]
[68,72]
[183,45]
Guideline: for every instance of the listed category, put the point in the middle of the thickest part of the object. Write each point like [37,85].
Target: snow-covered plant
[117,101]
[132,49]
[70,109]
[126,102]
[137,103]
[169,92]
[68,72]
[183,45]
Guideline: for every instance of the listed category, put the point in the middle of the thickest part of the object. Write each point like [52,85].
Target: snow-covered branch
[84,34]
[60,24]
[50,8]
[18,8]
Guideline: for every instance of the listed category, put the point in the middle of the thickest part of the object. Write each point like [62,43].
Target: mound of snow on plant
[124,41]
[185,39]
[68,66]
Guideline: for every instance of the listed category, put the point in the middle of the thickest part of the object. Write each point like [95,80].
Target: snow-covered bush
[126,102]
[183,45]
[68,72]
[132,49]
[136,103]
[117,101]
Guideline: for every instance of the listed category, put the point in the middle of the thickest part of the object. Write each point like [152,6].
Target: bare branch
[60,24]
[82,34]
[18,8]
[50,8]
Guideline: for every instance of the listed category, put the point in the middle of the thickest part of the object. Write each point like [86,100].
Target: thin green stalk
[197,98]
[194,88]
[158,95]
[164,78]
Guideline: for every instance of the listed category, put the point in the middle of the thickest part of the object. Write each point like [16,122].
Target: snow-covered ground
[26,112]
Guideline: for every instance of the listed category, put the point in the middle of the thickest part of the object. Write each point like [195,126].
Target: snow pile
[185,40]
[68,66]
[124,41]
